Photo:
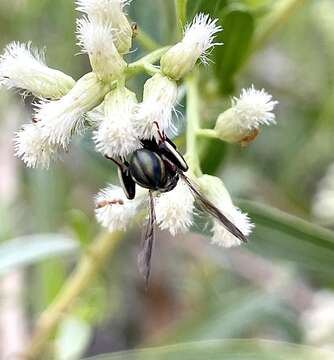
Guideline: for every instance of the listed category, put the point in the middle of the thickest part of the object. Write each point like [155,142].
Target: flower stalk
[89,265]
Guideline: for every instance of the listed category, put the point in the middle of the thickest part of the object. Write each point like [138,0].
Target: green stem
[193,122]
[88,267]
[207,133]
[181,14]
[146,41]
[278,16]
[146,63]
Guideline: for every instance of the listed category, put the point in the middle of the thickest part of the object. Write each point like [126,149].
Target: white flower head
[197,41]
[160,95]
[113,210]
[24,68]
[214,189]
[242,121]
[62,118]
[111,13]
[174,209]
[33,148]
[116,135]
[323,202]
[97,40]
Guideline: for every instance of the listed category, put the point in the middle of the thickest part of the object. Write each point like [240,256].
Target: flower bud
[24,68]
[111,13]
[241,123]
[214,189]
[116,135]
[198,39]
[97,40]
[62,118]
[159,99]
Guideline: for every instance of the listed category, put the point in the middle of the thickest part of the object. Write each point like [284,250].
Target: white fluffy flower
[61,118]
[97,40]
[33,148]
[113,210]
[174,209]
[197,41]
[116,135]
[214,189]
[221,236]
[241,122]
[24,68]
[323,203]
[160,95]
[110,12]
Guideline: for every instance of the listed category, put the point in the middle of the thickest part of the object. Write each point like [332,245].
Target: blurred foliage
[196,292]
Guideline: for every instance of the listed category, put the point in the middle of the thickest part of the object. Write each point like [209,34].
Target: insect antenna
[213,210]
[145,255]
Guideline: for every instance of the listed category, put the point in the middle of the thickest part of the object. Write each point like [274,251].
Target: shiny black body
[158,166]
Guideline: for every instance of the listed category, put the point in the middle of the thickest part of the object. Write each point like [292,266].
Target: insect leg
[127,183]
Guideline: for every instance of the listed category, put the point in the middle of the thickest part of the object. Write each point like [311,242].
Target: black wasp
[158,166]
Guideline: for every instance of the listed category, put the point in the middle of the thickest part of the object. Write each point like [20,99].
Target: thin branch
[89,265]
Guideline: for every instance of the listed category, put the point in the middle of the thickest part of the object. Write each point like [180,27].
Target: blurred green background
[278,288]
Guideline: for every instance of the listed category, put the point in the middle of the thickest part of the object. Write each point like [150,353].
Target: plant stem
[208,133]
[89,265]
[145,63]
[192,124]
[181,14]
[282,11]
[146,41]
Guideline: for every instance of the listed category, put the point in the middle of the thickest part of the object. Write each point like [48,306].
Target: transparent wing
[213,210]
[145,255]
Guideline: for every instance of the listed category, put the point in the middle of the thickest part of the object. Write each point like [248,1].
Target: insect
[158,166]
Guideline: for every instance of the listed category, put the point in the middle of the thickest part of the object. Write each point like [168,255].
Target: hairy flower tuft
[24,68]
[113,210]
[110,13]
[241,122]
[62,118]
[197,41]
[160,95]
[174,209]
[116,135]
[33,147]
[216,192]
[97,40]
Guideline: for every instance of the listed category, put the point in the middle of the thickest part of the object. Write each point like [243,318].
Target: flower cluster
[100,99]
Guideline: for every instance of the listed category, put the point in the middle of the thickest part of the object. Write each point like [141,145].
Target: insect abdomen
[147,169]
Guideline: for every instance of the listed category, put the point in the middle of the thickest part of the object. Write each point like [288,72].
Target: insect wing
[213,210]
[145,255]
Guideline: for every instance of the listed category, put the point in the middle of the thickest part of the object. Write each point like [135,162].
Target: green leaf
[224,349]
[27,250]
[211,7]
[282,236]
[238,24]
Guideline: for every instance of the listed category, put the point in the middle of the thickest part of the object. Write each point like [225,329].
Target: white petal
[116,135]
[223,237]
[160,95]
[114,211]
[24,68]
[33,148]
[97,41]
[174,209]
[62,118]
[254,108]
